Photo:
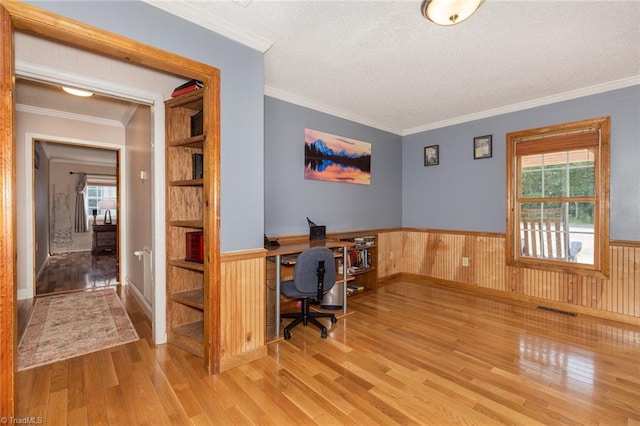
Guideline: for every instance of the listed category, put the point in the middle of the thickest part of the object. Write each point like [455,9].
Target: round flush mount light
[449,12]
[77,92]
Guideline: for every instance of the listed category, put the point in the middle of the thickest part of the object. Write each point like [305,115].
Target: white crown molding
[128,115]
[65,78]
[560,97]
[317,106]
[83,162]
[43,73]
[197,16]
[68,116]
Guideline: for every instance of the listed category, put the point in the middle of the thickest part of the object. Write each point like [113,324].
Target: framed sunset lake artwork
[336,158]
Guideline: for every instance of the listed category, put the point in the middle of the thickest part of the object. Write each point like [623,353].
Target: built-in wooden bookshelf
[361,262]
[187,281]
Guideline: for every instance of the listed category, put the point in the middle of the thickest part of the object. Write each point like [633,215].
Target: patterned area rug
[74,324]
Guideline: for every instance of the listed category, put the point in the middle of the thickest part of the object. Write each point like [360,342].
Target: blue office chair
[314,275]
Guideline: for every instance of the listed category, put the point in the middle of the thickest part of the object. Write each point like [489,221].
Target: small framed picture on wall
[431,155]
[482,147]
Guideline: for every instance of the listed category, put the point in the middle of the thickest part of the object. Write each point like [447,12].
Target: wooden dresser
[104,238]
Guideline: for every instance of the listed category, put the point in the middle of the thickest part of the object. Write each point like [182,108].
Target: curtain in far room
[81,211]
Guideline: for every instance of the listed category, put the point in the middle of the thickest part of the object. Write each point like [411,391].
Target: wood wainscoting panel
[389,254]
[438,255]
[242,308]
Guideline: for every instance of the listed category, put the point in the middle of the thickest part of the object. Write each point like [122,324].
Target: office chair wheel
[334,320]
[323,334]
[287,334]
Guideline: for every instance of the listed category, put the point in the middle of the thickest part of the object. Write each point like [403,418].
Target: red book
[184,90]
[187,87]
[194,247]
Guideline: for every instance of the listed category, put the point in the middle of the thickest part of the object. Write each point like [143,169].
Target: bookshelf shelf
[185,264]
[363,256]
[189,337]
[186,211]
[361,271]
[193,298]
[190,142]
[187,182]
[195,224]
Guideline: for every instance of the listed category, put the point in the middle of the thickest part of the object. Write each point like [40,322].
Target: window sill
[563,267]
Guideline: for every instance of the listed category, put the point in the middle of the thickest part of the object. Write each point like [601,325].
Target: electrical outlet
[465,261]
[390,255]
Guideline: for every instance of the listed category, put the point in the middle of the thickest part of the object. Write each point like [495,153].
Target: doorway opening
[118,119]
[76,216]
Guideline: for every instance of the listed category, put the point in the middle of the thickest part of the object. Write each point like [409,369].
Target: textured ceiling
[381,63]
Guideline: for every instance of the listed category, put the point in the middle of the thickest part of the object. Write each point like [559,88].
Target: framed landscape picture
[336,158]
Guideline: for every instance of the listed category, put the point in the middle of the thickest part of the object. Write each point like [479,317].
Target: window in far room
[558,197]
[102,194]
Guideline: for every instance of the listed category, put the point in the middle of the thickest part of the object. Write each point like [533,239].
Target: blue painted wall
[263,187]
[466,194]
[242,91]
[290,198]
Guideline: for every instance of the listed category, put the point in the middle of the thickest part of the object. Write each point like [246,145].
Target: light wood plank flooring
[412,353]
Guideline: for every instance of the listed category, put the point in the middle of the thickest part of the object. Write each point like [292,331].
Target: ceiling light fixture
[449,12]
[77,92]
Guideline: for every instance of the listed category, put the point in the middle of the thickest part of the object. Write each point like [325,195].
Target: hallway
[71,272]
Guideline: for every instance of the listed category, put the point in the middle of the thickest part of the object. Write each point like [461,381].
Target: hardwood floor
[78,271]
[412,353]
[70,272]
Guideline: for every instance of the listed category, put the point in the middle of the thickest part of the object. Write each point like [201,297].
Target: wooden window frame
[552,139]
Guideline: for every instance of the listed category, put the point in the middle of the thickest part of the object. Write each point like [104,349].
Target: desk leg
[277,296]
[344,279]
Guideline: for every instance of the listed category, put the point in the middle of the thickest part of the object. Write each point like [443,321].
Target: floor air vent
[557,311]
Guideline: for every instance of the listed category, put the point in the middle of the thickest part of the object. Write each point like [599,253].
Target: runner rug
[74,324]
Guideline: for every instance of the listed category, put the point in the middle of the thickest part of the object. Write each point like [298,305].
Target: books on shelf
[358,260]
[289,259]
[196,124]
[197,170]
[187,87]
[364,241]
[194,246]
[353,289]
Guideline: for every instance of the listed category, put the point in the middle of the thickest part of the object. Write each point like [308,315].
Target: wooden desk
[104,238]
[295,248]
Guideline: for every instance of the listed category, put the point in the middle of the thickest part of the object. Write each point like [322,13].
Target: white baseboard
[44,265]
[76,250]
[146,307]
[29,293]
[25,293]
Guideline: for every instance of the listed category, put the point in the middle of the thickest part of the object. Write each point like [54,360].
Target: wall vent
[557,311]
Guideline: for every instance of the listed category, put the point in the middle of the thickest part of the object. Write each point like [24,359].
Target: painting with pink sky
[336,158]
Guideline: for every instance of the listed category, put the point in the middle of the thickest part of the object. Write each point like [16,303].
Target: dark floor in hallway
[78,271]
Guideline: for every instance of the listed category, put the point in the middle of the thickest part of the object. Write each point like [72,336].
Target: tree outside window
[558,197]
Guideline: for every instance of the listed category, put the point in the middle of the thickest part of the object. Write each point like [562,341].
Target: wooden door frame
[15,15]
